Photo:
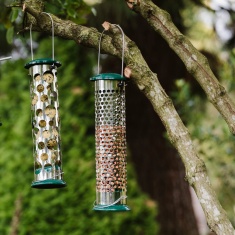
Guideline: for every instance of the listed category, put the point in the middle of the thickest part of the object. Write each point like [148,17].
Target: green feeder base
[48,184]
[111,208]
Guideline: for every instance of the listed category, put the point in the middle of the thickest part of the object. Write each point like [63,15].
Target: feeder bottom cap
[48,184]
[111,208]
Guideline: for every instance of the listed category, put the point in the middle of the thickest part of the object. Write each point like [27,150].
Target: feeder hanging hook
[123,45]
[52,32]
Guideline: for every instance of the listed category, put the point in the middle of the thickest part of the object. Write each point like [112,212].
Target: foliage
[69,210]
[12,19]
[74,10]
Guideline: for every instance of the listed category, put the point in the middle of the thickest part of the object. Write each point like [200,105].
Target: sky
[221,17]
[216,4]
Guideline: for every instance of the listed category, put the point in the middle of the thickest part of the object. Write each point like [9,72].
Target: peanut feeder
[110,135]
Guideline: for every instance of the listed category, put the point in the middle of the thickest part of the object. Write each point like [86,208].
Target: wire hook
[123,50]
[52,32]
[31,40]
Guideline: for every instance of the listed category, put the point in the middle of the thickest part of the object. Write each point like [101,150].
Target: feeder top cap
[108,76]
[42,61]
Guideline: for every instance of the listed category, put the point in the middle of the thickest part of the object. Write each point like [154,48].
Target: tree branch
[148,83]
[16,216]
[194,61]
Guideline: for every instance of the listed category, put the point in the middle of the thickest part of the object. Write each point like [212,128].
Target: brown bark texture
[148,83]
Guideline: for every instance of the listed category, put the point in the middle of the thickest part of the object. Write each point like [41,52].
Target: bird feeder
[45,122]
[110,135]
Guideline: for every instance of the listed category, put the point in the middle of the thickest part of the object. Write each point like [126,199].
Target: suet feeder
[45,122]
[110,135]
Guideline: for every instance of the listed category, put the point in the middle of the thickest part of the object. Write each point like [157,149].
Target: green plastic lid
[108,76]
[42,61]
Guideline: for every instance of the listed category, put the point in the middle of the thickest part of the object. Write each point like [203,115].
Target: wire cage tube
[45,124]
[110,120]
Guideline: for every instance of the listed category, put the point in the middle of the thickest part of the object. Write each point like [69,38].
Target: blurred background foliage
[59,211]
[69,210]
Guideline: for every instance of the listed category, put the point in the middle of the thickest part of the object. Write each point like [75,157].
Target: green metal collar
[108,76]
[42,61]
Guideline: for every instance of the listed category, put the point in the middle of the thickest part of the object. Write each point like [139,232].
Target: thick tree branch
[194,61]
[148,83]
[68,30]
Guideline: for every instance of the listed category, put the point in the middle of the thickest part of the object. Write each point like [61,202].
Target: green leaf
[14,14]
[10,35]
[71,12]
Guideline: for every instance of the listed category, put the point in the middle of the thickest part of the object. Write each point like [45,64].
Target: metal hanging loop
[31,40]
[123,49]
[52,32]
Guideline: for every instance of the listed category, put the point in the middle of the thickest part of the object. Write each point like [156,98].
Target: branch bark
[148,83]
[195,62]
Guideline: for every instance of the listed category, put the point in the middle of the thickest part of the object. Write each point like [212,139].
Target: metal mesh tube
[110,119]
[46,127]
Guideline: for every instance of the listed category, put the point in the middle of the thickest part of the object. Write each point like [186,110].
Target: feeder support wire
[123,45]
[52,32]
